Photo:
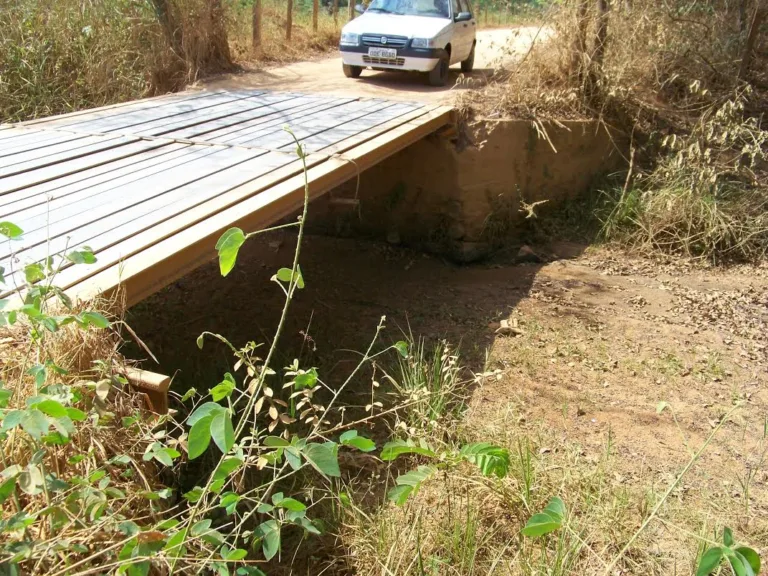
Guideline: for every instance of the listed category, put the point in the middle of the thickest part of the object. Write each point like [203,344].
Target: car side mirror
[359,8]
[463,17]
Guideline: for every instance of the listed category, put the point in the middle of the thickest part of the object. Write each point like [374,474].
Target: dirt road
[495,48]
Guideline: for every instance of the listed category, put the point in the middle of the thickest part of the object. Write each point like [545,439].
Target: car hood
[394,25]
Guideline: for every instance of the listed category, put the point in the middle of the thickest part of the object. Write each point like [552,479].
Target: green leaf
[234,555]
[34,423]
[7,488]
[82,256]
[199,437]
[739,564]
[752,557]
[200,341]
[410,483]
[10,230]
[400,494]
[291,504]
[402,348]
[491,460]
[34,272]
[709,562]
[12,419]
[188,394]
[351,438]
[76,415]
[174,546]
[286,275]
[397,448]
[94,319]
[269,532]
[228,466]
[52,408]
[224,388]
[222,432]
[549,520]
[194,495]
[129,528]
[728,536]
[306,379]
[229,501]
[203,411]
[200,527]
[228,246]
[275,442]
[322,457]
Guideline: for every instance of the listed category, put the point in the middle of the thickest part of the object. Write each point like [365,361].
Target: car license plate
[389,53]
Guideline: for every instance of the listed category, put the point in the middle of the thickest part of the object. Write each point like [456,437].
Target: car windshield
[433,8]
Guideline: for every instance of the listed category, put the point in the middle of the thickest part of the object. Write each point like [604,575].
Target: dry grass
[65,55]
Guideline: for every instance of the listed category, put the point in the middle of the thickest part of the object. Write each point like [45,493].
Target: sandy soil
[496,48]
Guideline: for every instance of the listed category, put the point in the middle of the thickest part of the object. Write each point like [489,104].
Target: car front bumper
[407,59]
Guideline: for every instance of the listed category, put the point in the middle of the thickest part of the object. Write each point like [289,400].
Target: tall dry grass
[670,77]
[58,56]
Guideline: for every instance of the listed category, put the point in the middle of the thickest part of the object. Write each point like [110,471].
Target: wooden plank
[196,118]
[31,195]
[132,120]
[31,139]
[265,136]
[72,167]
[127,222]
[69,118]
[315,128]
[47,157]
[278,119]
[29,201]
[91,210]
[149,253]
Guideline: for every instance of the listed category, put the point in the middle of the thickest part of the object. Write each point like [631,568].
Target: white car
[421,35]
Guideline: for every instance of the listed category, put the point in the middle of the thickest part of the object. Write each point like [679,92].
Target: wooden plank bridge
[150,185]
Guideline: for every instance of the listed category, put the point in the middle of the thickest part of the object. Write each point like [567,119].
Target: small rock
[526,254]
[505,329]
[393,237]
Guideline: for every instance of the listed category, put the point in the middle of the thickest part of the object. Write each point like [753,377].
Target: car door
[471,29]
[460,35]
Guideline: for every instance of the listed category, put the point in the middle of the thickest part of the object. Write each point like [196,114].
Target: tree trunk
[351,9]
[601,37]
[749,47]
[315,10]
[218,55]
[579,56]
[289,21]
[256,26]
[171,31]
[336,12]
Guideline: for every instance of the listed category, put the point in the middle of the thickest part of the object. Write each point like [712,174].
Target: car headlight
[350,39]
[423,43]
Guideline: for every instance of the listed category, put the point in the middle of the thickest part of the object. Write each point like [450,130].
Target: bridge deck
[150,185]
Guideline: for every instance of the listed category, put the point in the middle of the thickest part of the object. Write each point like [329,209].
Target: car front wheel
[351,71]
[439,74]
[469,63]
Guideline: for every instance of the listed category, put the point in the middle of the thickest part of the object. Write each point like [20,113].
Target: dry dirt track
[495,48]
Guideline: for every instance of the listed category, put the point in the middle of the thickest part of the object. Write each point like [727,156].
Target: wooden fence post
[289,21]
[315,10]
[256,25]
